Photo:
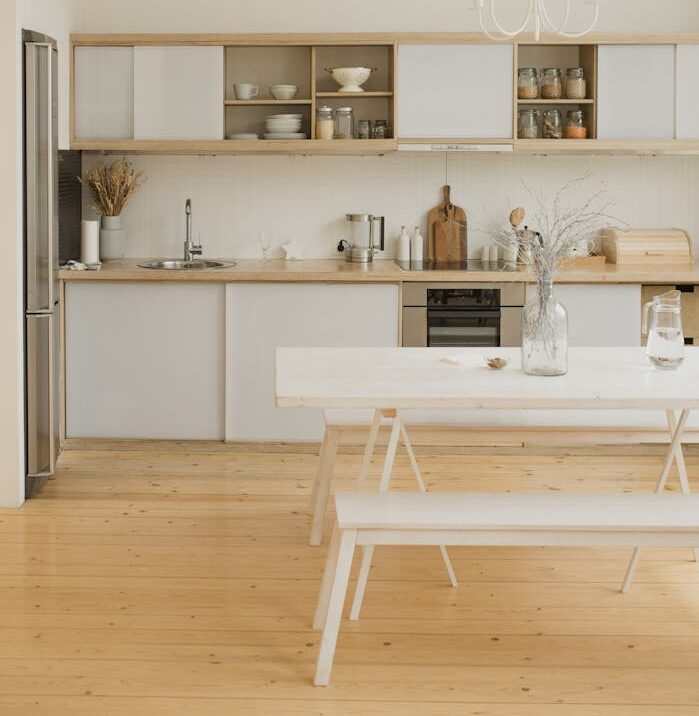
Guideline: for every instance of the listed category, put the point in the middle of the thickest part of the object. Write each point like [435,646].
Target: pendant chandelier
[537,17]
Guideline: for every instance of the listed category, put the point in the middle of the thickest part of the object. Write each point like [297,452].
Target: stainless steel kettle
[361,245]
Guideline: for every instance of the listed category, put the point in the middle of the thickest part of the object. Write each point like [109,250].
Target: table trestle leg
[674,455]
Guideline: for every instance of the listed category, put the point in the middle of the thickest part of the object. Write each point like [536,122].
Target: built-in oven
[462,314]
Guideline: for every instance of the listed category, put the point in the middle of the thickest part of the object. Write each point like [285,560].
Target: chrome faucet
[190,248]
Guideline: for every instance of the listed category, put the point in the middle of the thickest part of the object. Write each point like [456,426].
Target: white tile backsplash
[307,197]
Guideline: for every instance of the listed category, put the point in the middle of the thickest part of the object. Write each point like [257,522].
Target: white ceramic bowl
[350,78]
[283,91]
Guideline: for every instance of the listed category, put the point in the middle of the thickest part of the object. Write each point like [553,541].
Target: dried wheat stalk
[112,186]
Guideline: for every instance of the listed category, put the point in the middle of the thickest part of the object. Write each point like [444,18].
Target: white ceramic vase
[112,238]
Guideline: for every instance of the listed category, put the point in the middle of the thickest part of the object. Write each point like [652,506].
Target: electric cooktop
[470,265]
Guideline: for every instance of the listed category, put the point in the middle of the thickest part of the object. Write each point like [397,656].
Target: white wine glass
[264,241]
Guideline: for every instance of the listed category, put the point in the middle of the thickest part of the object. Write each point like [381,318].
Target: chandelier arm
[547,18]
[575,35]
[501,29]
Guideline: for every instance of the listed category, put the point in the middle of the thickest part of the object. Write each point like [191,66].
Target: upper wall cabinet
[455,91]
[178,93]
[103,92]
[636,92]
[687,93]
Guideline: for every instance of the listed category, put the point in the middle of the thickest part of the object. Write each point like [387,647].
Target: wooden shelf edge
[354,95]
[556,101]
[230,146]
[605,146]
[264,102]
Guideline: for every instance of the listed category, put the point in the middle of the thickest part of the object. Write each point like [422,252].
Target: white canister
[417,246]
[89,241]
[485,254]
[493,253]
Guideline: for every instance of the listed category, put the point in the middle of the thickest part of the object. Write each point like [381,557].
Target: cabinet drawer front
[636,92]
[455,91]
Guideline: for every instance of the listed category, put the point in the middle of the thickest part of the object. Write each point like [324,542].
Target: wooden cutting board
[447,232]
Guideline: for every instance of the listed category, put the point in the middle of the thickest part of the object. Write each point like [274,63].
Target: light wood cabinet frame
[588,59]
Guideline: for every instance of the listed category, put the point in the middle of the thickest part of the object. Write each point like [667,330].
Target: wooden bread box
[656,246]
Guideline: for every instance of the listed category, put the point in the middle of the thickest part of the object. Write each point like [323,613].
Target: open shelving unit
[561,56]
[305,66]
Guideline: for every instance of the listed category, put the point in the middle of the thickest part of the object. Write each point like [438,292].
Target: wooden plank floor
[164,580]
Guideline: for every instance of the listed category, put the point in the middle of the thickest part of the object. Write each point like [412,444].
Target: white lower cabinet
[600,315]
[262,316]
[145,360]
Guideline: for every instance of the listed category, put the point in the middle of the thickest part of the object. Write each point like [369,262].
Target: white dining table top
[421,378]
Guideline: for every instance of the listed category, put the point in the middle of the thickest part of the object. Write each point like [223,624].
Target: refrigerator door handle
[38,300]
[41,411]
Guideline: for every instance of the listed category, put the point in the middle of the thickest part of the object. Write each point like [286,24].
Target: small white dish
[247,136]
[283,91]
[286,135]
[284,116]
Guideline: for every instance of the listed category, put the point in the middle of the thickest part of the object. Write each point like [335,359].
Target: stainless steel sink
[180,265]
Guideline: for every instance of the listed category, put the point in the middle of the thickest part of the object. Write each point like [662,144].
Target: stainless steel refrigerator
[41,258]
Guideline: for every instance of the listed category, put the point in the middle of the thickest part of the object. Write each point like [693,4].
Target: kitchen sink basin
[180,265]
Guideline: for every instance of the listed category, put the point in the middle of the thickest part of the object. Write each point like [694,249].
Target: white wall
[307,197]
[360,15]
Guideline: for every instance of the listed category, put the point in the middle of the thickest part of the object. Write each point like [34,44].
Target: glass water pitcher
[662,323]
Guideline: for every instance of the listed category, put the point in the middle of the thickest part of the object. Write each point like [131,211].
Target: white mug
[245,91]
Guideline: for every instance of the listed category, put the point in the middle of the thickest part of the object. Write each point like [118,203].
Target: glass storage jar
[575,125]
[344,123]
[325,125]
[380,129]
[364,128]
[527,83]
[528,124]
[553,124]
[576,87]
[551,84]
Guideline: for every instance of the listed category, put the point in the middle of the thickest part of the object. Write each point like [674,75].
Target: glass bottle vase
[544,334]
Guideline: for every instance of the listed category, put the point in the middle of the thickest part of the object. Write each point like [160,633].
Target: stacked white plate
[284,126]
[242,136]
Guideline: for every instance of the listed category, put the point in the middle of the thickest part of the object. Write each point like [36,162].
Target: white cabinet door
[600,315]
[455,91]
[636,92]
[104,92]
[145,360]
[178,93]
[263,316]
[687,92]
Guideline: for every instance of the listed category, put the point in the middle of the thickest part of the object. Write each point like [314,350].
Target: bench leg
[323,480]
[338,590]
[423,488]
[326,583]
[674,454]
[368,550]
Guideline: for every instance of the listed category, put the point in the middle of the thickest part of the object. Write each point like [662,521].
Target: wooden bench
[398,518]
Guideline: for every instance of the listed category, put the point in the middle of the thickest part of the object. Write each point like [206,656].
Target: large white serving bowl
[350,78]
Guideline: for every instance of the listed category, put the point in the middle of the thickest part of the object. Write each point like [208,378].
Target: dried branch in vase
[111,187]
[558,228]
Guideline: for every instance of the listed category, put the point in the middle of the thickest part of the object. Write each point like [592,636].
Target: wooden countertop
[381,271]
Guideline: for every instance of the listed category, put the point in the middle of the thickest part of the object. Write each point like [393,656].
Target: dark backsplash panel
[69,205]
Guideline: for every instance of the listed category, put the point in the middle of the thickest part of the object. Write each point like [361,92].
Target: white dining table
[389,380]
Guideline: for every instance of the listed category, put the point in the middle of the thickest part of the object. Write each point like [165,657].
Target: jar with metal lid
[575,125]
[527,83]
[380,130]
[325,125]
[551,84]
[364,128]
[344,123]
[553,124]
[528,124]
[576,87]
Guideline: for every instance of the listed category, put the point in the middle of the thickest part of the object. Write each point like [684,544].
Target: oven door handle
[432,313]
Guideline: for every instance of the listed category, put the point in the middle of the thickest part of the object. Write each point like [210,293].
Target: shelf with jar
[555,92]
[354,92]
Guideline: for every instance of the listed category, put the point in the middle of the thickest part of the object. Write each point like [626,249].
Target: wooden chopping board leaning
[447,228]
